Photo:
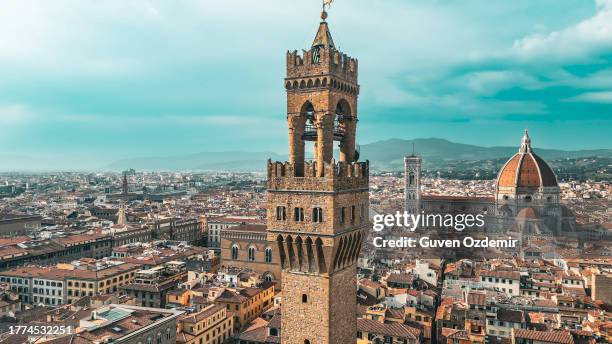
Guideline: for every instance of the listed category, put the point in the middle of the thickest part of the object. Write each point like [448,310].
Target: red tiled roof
[390,329]
[561,337]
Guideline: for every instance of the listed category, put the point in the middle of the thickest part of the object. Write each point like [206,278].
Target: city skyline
[148,79]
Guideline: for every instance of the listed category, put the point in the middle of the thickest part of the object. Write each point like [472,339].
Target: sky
[84,83]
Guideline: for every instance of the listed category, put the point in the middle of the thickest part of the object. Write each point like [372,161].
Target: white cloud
[13,114]
[576,41]
[593,97]
[490,82]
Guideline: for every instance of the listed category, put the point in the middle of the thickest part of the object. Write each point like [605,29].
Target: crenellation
[330,63]
[337,175]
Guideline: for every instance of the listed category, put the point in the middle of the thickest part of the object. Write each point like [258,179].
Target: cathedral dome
[526,169]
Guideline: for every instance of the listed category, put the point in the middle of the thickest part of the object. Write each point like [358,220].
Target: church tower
[318,210]
[412,180]
[124,185]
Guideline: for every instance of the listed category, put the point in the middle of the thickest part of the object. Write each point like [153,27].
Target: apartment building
[66,283]
[151,286]
[247,304]
[213,324]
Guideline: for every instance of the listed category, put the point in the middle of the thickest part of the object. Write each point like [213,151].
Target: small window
[268,257]
[317,214]
[251,253]
[304,298]
[362,213]
[352,214]
[342,215]
[298,214]
[235,252]
[281,213]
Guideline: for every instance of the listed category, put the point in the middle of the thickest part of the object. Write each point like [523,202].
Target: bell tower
[318,210]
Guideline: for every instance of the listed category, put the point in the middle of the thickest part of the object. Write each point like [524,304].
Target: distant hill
[389,154]
[383,155]
[239,161]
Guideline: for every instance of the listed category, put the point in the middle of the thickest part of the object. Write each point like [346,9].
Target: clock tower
[318,209]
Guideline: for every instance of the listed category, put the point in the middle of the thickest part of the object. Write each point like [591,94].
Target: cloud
[576,41]
[489,82]
[115,74]
[13,114]
[593,97]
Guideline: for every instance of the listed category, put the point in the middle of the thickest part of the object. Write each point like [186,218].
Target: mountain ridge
[383,155]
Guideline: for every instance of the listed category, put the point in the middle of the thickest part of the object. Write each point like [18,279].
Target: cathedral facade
[526,198]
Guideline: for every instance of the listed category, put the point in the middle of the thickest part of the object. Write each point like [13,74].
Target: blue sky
[87,82]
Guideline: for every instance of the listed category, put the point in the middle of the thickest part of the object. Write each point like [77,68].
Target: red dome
[526,169]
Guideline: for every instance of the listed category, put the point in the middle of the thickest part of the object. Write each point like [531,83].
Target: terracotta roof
[400,278]
[476,298]
[389,329]
[203,314]
[510,315]
[561,337]
[501,274]
[248,228]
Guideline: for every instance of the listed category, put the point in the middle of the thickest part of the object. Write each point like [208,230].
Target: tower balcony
[337,175]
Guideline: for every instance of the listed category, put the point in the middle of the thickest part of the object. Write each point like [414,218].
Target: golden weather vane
[326,4]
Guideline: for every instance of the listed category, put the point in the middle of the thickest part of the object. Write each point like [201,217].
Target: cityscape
[287,254]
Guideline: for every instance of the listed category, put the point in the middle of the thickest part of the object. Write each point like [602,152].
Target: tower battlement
[320,61]
[336,175]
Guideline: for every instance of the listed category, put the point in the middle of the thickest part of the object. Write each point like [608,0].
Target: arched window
[411,178]
[304,298]
[306,341]
[268,257]
[168,334]
[251,253]
[317,214]
[235,252]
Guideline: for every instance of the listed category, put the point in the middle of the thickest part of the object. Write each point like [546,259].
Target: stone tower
[124,185]
[318,210]
[412,177]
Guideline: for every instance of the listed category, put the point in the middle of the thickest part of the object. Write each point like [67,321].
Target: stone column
[347,146]
[296,143]
[325,141]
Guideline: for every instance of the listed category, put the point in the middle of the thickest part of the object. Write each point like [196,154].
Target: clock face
[316,55]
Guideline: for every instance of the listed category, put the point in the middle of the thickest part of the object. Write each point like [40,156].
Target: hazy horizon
[29,163]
